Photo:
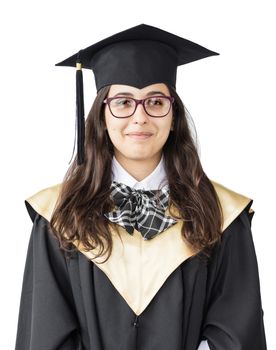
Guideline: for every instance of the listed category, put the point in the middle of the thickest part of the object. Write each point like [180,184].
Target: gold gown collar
[128,266]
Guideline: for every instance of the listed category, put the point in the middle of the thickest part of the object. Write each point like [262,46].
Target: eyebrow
[148,94]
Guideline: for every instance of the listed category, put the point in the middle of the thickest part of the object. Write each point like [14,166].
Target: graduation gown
[150,295]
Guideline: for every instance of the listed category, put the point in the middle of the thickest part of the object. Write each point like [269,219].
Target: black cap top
[138,56]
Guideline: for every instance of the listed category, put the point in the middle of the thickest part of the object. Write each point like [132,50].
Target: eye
[122,101]
[155,101]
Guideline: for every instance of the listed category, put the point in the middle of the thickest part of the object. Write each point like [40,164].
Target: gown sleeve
[46,318]
[234,316]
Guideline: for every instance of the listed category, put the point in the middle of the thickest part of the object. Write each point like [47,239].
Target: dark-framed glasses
[154,106]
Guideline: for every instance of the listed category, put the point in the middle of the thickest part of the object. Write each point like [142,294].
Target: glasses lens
[122,106]
[157,106]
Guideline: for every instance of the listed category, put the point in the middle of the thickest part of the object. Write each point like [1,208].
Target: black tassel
[80,121]
[80,113]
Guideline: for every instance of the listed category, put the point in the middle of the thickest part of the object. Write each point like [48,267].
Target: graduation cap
[138,56]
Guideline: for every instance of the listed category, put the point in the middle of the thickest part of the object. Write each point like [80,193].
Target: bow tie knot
[142,210]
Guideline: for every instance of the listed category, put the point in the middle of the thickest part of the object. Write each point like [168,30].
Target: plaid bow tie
[140,209]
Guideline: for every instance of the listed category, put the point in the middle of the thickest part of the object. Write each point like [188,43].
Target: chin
[136,155]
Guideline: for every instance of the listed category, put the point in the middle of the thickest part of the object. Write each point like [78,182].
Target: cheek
[115,128]
[164,128]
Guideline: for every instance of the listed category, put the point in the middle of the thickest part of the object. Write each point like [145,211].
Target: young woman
[137,248]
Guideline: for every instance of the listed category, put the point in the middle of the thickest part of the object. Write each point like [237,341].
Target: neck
[139,168]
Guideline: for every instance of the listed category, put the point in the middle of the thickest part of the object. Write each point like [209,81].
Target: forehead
[117,88]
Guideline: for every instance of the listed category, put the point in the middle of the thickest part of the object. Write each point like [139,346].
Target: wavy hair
[85,190]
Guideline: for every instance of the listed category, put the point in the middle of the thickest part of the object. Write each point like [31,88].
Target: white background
[231,98]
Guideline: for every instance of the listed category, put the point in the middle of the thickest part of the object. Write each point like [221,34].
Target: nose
[140,115]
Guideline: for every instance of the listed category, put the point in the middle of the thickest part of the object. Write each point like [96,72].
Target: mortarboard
[138,56]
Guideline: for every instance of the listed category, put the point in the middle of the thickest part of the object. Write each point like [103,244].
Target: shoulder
[232,203]
[44,201]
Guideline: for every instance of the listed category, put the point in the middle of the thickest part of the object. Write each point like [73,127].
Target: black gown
[72,304]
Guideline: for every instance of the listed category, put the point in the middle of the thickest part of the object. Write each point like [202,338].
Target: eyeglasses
[154,106]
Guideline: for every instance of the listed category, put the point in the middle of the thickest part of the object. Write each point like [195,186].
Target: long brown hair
[85,191]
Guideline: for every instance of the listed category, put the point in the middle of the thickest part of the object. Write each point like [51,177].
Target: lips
[140,133]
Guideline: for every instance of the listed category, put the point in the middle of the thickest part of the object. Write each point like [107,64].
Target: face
[119,130]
